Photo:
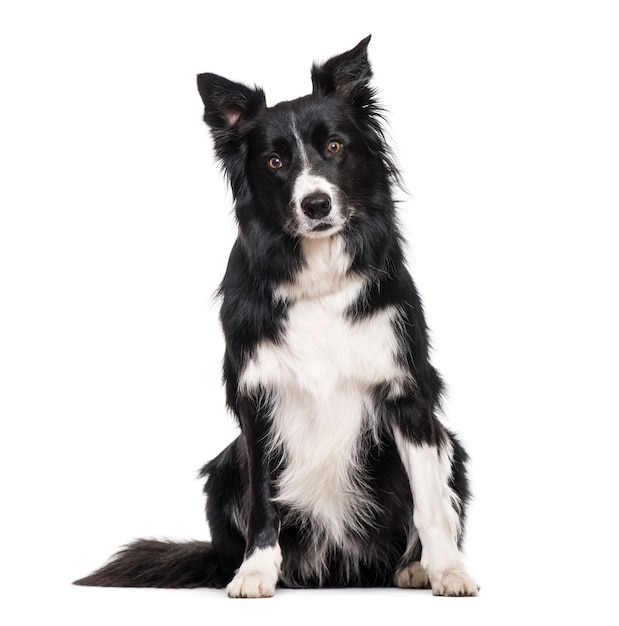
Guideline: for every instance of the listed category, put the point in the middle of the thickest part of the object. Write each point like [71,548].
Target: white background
[115,227]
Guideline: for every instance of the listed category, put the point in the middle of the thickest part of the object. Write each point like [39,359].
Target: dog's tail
[151,563]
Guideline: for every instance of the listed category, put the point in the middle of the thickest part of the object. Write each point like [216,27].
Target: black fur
[240,482]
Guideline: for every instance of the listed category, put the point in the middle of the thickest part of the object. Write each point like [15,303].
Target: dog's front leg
[429,466]
[257,577]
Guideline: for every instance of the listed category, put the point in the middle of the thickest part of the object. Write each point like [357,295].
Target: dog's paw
[413,576]
[258,574]
[453,582]
[252,585]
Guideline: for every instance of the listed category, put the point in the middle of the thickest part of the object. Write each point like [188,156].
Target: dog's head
[304,167]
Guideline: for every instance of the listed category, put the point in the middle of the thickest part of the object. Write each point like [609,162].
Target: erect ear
[346,75]
[228,104]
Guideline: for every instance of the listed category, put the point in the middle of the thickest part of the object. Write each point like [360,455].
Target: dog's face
[300,167]
[302,164]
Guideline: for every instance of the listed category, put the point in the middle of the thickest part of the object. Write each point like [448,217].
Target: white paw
[413,576]
[258,574]
[252,585]
[453,582]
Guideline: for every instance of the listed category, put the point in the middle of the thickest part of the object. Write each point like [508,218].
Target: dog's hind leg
[412,576]
[436,516]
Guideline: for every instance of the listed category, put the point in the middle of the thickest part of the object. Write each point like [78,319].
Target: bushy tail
[151,563]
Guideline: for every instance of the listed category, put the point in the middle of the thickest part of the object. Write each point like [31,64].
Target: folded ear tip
[228,103]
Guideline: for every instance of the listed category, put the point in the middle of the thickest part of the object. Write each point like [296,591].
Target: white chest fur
[321,377]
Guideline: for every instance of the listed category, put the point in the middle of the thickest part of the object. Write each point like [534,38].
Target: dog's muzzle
[318,209]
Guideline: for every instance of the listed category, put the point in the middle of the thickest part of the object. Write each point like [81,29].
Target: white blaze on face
[307,184]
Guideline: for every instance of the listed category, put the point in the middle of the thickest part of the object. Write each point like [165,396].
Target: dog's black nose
[316,205]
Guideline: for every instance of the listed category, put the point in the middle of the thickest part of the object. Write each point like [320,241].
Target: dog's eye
[275,163]
[334,147]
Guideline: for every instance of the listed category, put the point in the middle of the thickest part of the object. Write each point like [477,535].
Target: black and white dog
[342,475]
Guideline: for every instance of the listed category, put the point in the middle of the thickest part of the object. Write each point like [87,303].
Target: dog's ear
[227,105]
[346,75]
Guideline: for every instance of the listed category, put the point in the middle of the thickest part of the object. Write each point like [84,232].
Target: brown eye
[275,162]
[334,147]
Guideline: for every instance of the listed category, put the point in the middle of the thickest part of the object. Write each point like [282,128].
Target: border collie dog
[342,474]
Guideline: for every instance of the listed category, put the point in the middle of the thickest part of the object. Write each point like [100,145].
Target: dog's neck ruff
[325,271]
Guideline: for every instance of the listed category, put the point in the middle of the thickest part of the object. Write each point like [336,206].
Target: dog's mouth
[316,229]
[301,225]
[322,226]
